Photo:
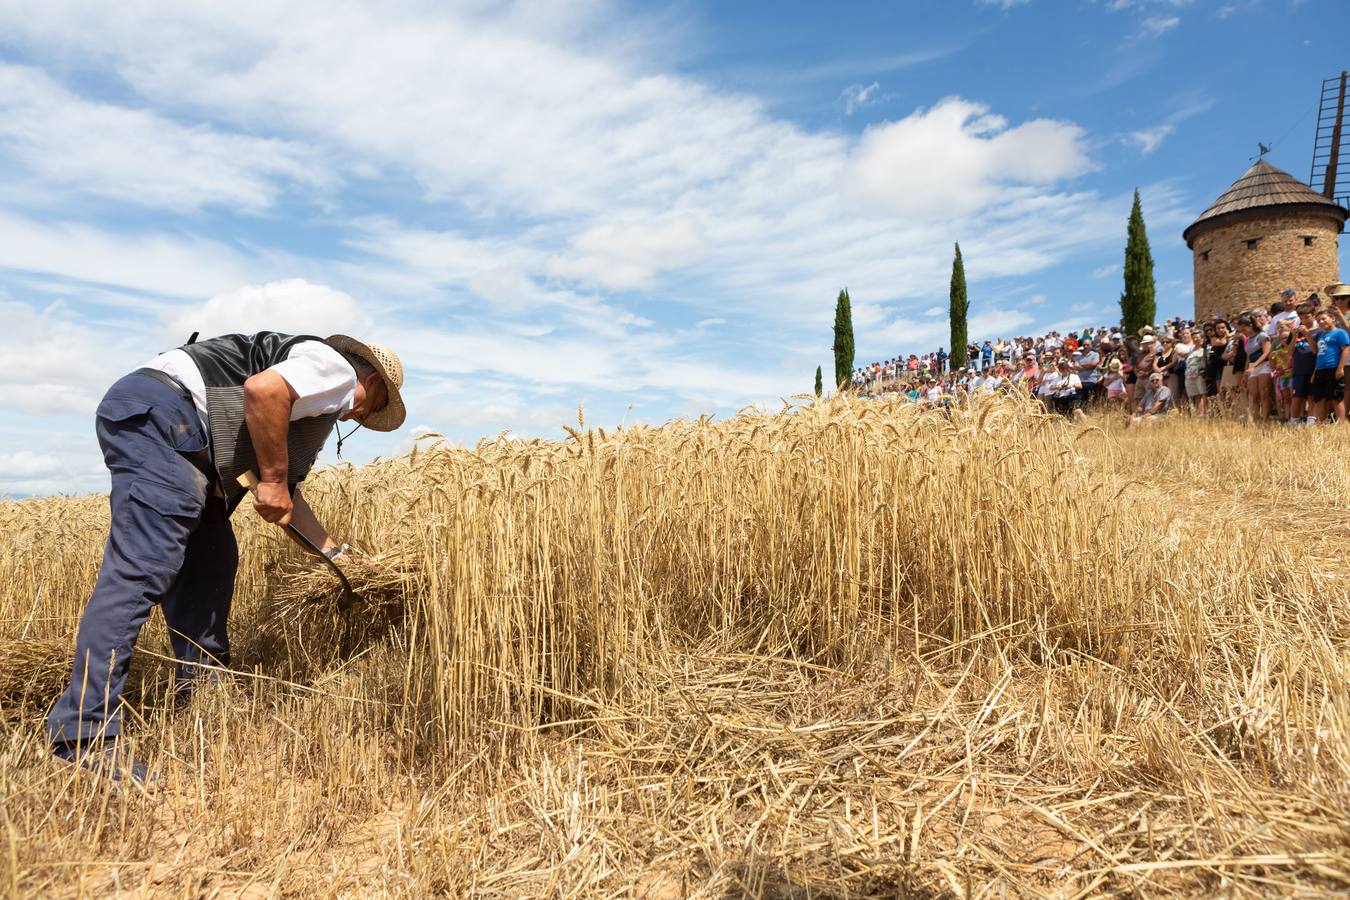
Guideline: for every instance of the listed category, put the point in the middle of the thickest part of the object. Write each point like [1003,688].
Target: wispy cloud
[1117,5]
[1002,4]
[67,143]
[1157,26]
[864,66]
[1187,106]
[1228,10]
[1150,139]
[856,96]
[1106,271]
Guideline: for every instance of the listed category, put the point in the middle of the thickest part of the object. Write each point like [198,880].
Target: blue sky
[644,209]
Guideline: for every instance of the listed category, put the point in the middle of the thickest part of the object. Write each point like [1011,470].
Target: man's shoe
[107,759]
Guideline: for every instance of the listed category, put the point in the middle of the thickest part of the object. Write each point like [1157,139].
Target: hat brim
[390,418]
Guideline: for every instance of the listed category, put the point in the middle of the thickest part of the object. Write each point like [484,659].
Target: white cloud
[856,96]
[1117,5]
[293,306]
[154,262]
[137,156]
[26,464]
[1157,26]
[451,403]
[709,323]
[935,311]
[1002,4]
[1187,105]
[58,362]
[957,156]
[1150,139]
[626,256]
[418,260]
[67,466]
[505,287]
[930,334]
[1106,271]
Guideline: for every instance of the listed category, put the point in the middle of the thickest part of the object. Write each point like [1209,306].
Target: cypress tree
[843,341]
[1137,303]
[819,385]
[959,306]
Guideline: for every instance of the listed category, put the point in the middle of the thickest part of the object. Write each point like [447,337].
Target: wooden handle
[249,481]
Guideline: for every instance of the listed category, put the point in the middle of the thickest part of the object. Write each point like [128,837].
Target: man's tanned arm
[267,413]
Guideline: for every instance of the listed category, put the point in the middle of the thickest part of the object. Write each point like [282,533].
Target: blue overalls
[170,543]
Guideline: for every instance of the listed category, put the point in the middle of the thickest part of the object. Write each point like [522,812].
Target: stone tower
[1266,233]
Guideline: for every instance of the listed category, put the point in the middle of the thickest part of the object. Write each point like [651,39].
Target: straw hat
[386,362]
[1339,290]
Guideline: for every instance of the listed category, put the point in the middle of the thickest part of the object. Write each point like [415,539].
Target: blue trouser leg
[197,607]
[157,500]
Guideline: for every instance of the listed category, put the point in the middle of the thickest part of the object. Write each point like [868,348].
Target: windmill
[1329,139]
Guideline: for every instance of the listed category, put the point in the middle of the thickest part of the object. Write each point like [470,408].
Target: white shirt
[1273,326]
[324,380]
[1063,385]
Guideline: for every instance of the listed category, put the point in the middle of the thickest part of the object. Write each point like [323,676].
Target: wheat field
[844,649]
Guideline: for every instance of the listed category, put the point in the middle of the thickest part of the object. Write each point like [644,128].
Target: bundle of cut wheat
[383,581]
[32,672]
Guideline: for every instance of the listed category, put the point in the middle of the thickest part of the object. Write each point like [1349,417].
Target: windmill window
[1252,242]
[1307,240]
[1204,254]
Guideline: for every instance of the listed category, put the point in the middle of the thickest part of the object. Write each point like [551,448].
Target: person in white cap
[176,434]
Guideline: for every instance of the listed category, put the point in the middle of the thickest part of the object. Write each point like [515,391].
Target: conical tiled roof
[1260,187]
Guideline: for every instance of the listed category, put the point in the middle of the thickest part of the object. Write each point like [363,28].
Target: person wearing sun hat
[176,434]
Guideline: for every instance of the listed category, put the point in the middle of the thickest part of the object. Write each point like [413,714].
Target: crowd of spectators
[1283,363]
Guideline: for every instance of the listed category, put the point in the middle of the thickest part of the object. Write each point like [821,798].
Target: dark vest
[226,362]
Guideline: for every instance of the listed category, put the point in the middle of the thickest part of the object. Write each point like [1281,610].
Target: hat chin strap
[342,437]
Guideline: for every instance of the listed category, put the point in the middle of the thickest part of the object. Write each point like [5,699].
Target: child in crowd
[1045,386]
[1302,363]
[1328,381]
[1196,388]
[1115,384]
[1281,359]
[1256,346]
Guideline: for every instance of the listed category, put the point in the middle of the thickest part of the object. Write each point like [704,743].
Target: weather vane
[1262,150]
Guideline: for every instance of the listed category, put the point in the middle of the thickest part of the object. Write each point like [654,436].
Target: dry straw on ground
[848,649]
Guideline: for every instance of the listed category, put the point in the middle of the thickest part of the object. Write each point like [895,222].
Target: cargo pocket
[154,524]
[167,500]
[120,409]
